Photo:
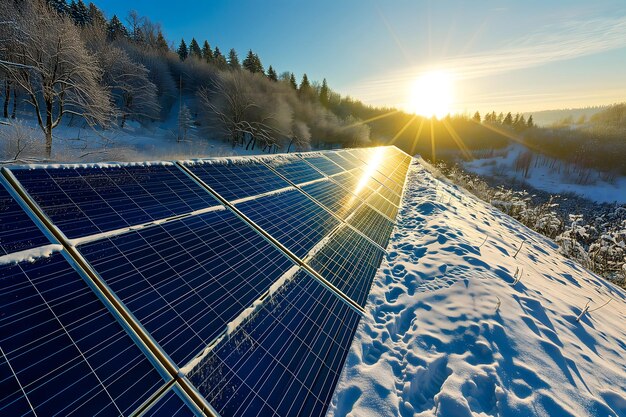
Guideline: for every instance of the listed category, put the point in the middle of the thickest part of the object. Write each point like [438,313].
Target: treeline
[517,122]
[68,60]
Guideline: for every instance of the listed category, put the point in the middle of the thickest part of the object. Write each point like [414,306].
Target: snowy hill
[458,323]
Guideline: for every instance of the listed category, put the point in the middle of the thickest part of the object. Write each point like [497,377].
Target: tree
[476,117]
[207,54]
[185,122]
[59,6]
[324,94]
[161,43]
[194,49]
[233,59]
[79,13]
[96,17]
[218,59]
[135,23]
[271,74]
[183,52]
[252,63]
[305,89]
[44,55]
[530,122]
[116,30]
[292,81]
[508,120]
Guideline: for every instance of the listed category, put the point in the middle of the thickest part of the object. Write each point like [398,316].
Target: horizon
[500,56]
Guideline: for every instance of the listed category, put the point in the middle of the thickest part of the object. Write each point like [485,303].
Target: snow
[30,255]
[553,176]
[455,325]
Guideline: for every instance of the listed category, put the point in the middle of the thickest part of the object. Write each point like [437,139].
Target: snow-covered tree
[185,122]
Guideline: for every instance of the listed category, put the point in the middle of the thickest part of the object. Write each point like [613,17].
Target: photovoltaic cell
[342,162]
[86,201]
[372,224]
[170,405]
[185,280]
[382,205]
[349,261]
[295,170]
[325,165]
[63,348]
[333,196]
[17,231]
[237,180]
[389,195]
[292,218]
[286,360]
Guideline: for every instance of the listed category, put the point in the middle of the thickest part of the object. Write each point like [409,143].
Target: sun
[431,94]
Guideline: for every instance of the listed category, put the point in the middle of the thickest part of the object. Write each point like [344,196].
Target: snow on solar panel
[292,218]
[87,200]
[185,280]
[17,231]
[62,352]
[211,285]
[286,360]
[237,179]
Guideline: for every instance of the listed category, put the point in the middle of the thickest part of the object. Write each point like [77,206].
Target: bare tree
[46,58]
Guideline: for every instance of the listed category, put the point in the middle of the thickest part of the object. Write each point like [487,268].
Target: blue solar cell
[169,405]
[349,261]
[285,360]
[185,280]
[237,180]
[325,165]
[17,231]
[372,224]
[295,170]
[341,161]
[67,354]
[333,196]
[291,218]
[85,201]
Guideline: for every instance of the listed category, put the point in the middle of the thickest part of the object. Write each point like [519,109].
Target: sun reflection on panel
[370,168]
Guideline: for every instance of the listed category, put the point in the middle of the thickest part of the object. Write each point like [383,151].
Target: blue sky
[502,55]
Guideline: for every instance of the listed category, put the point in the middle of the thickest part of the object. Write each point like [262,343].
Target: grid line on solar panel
[349,262]
[333,196]
[322,164]
[295,170]
[382,205]
[185,280]
[292,218]
[236,180]
[18,231]
[342,162]
[285,360]
[170,404]
[87,201]
[68,352]
[372,224]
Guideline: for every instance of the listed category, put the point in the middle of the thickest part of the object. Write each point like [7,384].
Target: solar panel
[286,360]
[383,205]
[342,162]
[333,196]
[171,405]
[291,218]
[295,170]
[17,231]
[185,280]
[84,201]
[325,165]
[372,224]
[349,262]
[235,180]
[62,352]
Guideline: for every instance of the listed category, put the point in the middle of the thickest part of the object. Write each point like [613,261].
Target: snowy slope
[450,332]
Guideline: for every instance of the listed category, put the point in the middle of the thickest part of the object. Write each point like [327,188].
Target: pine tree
[271,74]
[79,13]
[218,59]
[305,89]
[183,52]
[96,17]
[292,81]
[207,53]
[233,59]
[194,49]
[530,122]
[116,30]
[508,120]
[257,64]
[476,117]
[248,62]
[324,94]
[60,6]
[161,43]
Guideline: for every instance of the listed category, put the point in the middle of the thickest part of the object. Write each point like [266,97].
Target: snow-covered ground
[550,175]
[457,325]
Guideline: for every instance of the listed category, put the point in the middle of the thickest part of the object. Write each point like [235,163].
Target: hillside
[458,323]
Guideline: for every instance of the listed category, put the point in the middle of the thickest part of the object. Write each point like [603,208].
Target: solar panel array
[203,287]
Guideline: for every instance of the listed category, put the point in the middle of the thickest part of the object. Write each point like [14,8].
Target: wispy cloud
[553,43]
